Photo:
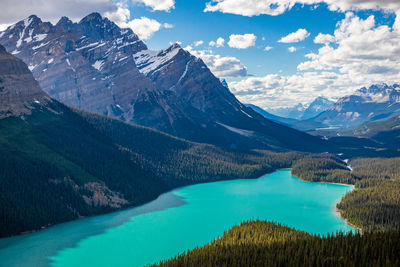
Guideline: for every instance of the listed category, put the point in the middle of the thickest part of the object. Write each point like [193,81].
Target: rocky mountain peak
[99,28]
[95,17]
[64,22]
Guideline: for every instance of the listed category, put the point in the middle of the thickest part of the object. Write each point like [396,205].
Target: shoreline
[336,211]
[42,228]
[45,227]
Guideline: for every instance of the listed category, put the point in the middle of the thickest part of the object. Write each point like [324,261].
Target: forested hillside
[59,164]
[262,243]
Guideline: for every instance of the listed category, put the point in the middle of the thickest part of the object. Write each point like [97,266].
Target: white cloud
[168,26]
[359,53]
[198,43]
[277,7]
[295,37]
[242,41]
[219,43]
[144,27]
[277,91]
[292,49]
[220,66]
[361,49]
[268,48]
[324,38]
[159,5]
[120,15]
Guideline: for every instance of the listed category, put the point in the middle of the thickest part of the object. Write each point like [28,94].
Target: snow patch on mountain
[149,61]
[98,64]
[243,132]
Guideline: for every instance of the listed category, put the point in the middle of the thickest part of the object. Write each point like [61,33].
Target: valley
[180,220]
[115,154]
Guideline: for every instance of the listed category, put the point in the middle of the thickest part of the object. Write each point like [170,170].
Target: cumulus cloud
[242,41]
[219,43]
[268,48]
[144,27]
[324,38]
[295,37]
[361,49]
[277,91]
[219,65]
[120,15]
[198,43]
[292,49]
[359,53]
[277,7]
[159,5]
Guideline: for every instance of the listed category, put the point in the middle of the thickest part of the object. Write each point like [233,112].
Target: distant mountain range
[377,102]
[96,66]
[304,112]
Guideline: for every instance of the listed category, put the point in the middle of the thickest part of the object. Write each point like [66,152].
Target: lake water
[177,221]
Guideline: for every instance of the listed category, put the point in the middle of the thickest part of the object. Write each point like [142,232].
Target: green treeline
[323,168]
[375,204]
[261,243]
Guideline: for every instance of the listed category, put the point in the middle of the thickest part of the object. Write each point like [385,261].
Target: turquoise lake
[179,220]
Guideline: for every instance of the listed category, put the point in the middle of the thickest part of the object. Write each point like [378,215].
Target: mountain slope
[17,86]
[386,132]
[59,164]
[96,66]
[367,104]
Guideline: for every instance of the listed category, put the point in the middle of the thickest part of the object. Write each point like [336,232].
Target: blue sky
[191,24]
[362,48]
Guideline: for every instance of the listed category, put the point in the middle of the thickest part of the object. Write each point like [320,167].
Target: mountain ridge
[96,66]
[367,104]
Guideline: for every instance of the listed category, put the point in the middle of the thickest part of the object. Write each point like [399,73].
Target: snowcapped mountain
[304,112]
[319,105]
[96,66]
[365,105]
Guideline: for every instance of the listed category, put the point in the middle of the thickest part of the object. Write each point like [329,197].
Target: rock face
[365,105]
[19,91]
[96,66]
